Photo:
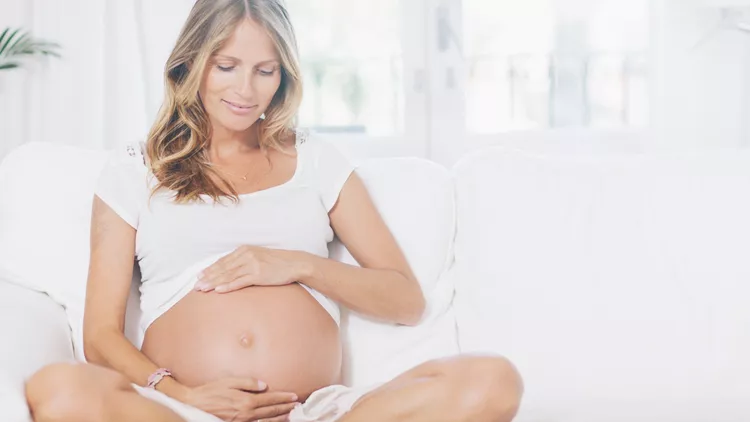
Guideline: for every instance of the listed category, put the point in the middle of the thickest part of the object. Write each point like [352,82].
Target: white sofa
[618,283]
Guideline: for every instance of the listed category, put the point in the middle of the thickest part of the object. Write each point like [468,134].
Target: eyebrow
[222,56]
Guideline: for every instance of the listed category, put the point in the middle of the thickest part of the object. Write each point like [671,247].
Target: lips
[238,105]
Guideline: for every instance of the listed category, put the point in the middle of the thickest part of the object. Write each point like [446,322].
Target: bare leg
[462,388]
[77,392]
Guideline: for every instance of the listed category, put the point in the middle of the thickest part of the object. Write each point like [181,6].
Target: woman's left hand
[248,266]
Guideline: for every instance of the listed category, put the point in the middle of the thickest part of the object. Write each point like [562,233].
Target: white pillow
[47,192]
[415,198]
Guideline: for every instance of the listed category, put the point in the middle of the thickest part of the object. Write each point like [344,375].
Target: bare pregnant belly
[280,335]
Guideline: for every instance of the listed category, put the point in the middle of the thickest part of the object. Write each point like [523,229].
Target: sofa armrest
[34,332]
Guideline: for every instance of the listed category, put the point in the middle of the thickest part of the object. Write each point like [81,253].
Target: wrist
[173,389]
[302,266]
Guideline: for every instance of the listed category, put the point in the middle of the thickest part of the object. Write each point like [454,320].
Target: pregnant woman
[228,209]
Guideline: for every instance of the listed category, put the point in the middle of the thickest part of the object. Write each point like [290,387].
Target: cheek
[216,83]
[268,88]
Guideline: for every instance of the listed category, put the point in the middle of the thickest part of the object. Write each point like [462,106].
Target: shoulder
[125,166]
[317,149]
[128,156]
[327,167]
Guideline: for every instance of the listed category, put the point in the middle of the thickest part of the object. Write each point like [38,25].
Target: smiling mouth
[240,106]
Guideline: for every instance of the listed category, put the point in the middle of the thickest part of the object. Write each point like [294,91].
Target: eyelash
[230,68]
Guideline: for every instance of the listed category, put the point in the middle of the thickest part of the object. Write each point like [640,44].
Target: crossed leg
[78,392]
[457,389]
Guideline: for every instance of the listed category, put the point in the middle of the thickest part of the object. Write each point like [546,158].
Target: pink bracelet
[157,376]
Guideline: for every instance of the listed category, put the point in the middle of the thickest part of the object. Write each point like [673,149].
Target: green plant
[17,45]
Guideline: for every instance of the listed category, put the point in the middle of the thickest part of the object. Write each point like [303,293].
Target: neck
[227,143]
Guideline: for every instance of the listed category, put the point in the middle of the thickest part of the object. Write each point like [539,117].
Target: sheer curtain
[701,94]
[108,85]
[106,88]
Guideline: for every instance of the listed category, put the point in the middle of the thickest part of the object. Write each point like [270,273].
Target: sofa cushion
[34,333]
[609,280]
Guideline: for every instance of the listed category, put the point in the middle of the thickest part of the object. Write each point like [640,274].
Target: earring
[263,116]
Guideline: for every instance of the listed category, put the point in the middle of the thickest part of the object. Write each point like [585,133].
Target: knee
[488,387]
[64,392]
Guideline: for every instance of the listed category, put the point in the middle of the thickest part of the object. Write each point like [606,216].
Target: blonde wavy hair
[176,145]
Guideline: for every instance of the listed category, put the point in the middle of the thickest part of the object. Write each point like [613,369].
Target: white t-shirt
[174,242]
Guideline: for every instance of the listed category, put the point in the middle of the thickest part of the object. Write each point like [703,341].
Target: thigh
[429,369]
[458,368]
[72,387]
[434,368]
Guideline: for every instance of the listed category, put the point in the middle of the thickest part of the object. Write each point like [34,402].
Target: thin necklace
[244,177]
[248,172]
[233,175]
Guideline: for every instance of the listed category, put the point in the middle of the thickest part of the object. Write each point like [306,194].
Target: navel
[246,340]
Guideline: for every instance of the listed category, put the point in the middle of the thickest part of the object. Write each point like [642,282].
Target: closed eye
[225,68]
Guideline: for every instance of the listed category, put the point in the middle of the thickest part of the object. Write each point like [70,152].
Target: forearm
[379,293]
[110,348]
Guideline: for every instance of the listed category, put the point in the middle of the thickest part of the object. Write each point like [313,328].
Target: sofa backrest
[607,275]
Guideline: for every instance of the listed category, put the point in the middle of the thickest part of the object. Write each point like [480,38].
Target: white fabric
[328,404]
[174,242]
[617,285]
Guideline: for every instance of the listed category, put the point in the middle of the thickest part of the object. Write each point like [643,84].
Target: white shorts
[328,404]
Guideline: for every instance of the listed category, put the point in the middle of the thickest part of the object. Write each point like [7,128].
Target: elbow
[415,310]
[90,349]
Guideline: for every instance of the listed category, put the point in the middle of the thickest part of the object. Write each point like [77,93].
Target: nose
[244,86]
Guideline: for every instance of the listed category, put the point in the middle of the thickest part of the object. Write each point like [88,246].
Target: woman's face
[241,79]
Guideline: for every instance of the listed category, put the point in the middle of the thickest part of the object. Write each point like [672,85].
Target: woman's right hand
[241,400]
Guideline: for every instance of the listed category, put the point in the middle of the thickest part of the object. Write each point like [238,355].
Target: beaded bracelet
[157,376]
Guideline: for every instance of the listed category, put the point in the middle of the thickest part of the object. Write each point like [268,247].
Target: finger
[208,284]
[273,412]
[246,384]
[274,398]
[236,284]
[222,265]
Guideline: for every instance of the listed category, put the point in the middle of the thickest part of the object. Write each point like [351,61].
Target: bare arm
[107,289]
[385,286]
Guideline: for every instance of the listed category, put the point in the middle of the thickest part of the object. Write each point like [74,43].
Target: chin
[235,125]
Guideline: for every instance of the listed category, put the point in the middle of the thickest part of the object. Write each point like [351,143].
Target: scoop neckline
[291,180]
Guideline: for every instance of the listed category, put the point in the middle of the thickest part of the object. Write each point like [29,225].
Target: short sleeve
[332,170]
[122,183]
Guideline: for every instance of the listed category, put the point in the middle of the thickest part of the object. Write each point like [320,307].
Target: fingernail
[201,286]
[261,384]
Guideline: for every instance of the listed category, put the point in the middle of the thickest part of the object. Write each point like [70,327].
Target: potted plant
[17,46]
